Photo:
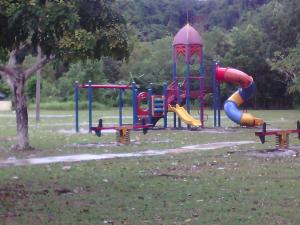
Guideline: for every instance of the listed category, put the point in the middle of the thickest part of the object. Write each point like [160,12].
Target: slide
[184,115]
[247,85]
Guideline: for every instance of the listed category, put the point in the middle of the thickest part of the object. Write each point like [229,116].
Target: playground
[201,182]
[158,161]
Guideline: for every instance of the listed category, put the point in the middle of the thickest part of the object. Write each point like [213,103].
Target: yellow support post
[123,135]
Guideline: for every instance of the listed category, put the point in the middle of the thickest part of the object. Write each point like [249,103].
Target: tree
[150,62]
[289,67]
[64,30]
[248,54]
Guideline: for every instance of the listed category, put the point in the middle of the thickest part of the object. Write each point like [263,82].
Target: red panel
[195,49]
[141,97]
[233,76]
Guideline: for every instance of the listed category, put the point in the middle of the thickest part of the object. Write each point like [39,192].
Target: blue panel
[232,111]
[247,92]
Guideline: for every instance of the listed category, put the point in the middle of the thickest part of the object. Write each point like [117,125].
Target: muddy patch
[92,145]
[225,130]
[83,131]
[274,153]
[155,141]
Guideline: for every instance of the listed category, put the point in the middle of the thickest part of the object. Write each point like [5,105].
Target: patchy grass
[205,187]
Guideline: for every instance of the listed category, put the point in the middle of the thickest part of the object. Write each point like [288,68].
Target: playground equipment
[153,109]
[184,115]
[123,132]
[239,97]
[150,107]
[90,87]
[282,136]
[187,43]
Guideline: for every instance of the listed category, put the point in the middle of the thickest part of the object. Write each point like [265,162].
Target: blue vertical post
[150,93]
[120,106]
[215,92]
[90,95]
[188,82]
[174,79]
[165,105]
[178,101]
[134,104]
[76,107]
[202,73]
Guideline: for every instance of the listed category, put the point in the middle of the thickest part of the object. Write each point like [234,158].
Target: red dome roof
[187,36]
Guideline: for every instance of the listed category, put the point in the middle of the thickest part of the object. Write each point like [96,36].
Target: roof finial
[187,16]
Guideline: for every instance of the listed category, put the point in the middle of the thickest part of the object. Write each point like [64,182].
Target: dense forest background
[259,37]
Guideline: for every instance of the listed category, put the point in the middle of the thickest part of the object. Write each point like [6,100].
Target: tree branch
[40,64]
[6,70]
[6,78]
[12,58]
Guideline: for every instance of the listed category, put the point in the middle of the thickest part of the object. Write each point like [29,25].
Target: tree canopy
[260,37]
[61,30]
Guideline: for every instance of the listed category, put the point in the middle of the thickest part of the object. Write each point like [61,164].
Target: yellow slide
[184,115]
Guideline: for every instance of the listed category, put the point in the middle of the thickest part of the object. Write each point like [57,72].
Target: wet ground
[88,157]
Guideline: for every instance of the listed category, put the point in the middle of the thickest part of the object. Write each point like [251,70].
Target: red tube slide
[247,85]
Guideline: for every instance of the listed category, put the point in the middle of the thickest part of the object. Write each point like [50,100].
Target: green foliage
[67,29]
[63,90]
[81,72]
[248,54]
[246,50]
[150,62]
[4,88]
[157,19]
[257,36]
[289,67]
[217,43]
[31,87]
[279,20]
[111,69]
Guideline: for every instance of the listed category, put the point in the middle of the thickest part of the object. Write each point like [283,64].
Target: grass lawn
[222,186]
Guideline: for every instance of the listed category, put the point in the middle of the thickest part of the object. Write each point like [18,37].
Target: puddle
[88,157]
[83,131]
[92,145]
[216,145]
[160,141]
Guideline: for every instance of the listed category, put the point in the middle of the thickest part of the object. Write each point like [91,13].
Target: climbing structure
[187,43]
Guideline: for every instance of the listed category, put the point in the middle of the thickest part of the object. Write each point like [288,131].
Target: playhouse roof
[187,36]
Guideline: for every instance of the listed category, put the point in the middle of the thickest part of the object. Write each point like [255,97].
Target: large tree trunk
[16,78]
[21,113]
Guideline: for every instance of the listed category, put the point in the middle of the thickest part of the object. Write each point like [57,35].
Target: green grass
[204,187]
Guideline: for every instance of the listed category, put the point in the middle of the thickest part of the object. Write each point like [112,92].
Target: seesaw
[281,136]
[123,132]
